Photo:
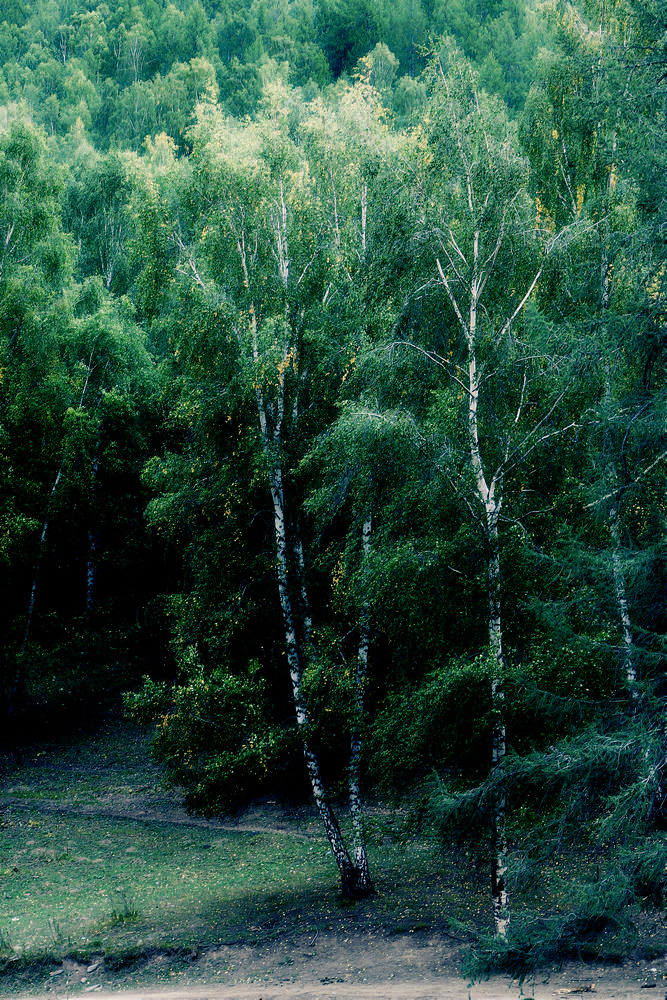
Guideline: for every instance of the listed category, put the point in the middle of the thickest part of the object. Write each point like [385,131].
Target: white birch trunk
[354,782]
[492,503]
[621,595]
[306,616]
[614,515]
[334,836]
[364,214]
[271,436]
[499,801]
[356,810]
[620,591]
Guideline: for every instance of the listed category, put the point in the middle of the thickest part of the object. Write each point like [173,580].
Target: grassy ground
[87,884]
[99,864]
[96,859]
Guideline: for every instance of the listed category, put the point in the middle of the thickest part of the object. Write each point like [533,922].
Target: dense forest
[332,415]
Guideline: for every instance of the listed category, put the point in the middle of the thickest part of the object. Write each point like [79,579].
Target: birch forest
[332,424]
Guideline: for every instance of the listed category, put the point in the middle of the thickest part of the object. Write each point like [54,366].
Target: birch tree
[262,214]
[355,157]
[476,229]
[581,125]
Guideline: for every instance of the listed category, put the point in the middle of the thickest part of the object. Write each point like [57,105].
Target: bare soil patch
[399,969]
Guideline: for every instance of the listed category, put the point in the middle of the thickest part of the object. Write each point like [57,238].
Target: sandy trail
[611,986]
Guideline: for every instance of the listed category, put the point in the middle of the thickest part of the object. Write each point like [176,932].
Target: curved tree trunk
[271,416]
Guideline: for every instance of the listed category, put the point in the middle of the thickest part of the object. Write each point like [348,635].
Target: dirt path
[137,811]
[361,966]
[612,985]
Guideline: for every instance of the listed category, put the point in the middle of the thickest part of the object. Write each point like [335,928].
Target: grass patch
[85,886]
[95,883]
[113,764]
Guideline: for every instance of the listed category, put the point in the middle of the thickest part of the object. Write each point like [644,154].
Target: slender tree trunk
[45,526]
[91,563]
[499,800]
[364,215]
[271,440]
[489,495]
[42,545]
[271,430]
[614,514]
[91,572]
[621,595]
[356,811]
[306,616]
[614,517]
[346,869]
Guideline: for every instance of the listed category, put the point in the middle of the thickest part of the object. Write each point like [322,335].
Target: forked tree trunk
[350,883]
[271,416]
[356,811]
[271,436]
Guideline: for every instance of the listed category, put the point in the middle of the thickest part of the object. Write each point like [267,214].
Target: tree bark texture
[499,800]
[356,811]
[614,515]
[621,595]
[350,882]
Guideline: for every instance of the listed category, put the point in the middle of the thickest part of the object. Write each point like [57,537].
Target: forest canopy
[332,415]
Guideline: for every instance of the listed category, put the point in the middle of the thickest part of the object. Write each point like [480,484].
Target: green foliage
[211,734]
[440,721]
[597,919]
[232,279]
[597,795]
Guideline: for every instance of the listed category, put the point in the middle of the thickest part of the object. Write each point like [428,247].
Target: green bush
[442,722]
[212,734]
[598,918]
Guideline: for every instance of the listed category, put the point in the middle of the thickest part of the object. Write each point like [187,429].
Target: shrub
[212,733]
